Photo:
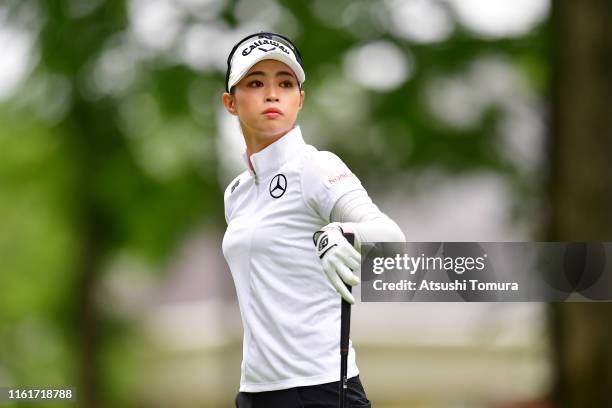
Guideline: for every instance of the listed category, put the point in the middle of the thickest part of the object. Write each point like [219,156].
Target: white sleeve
[325,178]
[355,212]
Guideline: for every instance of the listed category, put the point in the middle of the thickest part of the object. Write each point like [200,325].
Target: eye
[286,84]
[255,84]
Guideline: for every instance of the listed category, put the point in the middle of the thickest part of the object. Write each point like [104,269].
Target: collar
[275,154]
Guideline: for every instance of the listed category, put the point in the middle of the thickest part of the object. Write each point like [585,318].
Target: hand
[338,258]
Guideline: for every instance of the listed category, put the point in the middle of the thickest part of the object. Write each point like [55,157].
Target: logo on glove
[323,243]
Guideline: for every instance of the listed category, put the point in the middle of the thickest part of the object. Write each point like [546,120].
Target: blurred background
[466,120]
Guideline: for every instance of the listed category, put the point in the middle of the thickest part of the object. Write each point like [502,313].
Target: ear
[302,94]
[230,103]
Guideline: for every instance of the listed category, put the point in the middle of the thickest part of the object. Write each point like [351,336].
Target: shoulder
[326,166]
[326,178]
[322,161]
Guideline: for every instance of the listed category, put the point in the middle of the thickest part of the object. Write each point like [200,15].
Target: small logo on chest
[235,185]
[278,186]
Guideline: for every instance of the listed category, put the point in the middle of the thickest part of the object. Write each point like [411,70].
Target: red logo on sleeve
[339,177]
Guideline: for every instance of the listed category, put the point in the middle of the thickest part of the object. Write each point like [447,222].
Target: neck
[257,142]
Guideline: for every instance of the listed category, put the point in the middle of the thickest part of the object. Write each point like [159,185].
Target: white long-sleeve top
[290,312]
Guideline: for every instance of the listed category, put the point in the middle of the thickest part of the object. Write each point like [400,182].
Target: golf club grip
[345,328]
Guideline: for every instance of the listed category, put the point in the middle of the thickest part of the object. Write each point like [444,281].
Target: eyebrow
[280,73]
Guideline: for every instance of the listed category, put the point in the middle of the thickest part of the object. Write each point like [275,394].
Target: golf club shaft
[345,328]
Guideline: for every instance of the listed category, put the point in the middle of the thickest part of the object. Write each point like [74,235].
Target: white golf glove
[338,257]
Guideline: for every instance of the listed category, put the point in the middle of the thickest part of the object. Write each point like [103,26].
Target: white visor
[258,49]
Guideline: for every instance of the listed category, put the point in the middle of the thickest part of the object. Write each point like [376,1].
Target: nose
[271,95]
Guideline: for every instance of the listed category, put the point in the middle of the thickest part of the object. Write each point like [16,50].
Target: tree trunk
[581,191]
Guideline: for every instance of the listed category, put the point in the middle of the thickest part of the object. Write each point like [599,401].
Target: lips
[272,113]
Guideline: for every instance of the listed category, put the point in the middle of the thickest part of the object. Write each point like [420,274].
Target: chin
[275,130]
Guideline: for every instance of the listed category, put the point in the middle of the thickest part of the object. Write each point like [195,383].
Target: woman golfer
[287,287]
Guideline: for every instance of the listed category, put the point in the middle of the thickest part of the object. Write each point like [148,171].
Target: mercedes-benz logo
[278,185]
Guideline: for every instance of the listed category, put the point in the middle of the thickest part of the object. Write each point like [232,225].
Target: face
[267,100]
